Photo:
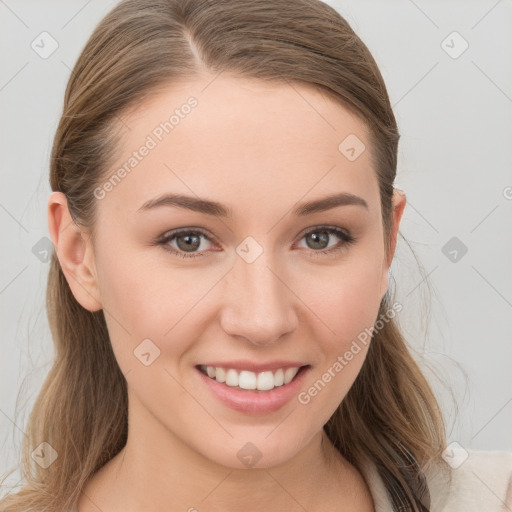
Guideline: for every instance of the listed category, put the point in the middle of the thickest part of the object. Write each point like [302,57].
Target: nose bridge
[256,302]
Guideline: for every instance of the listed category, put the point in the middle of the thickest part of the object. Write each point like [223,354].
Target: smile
[245,379]
[253,392]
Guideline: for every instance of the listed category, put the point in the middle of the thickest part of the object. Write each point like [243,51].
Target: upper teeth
[245,379]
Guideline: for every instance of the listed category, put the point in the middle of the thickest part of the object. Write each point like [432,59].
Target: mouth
[253,392]
[252,381]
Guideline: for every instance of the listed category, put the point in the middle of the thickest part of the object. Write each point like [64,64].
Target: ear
[398,205]
[74,251]
[397,209]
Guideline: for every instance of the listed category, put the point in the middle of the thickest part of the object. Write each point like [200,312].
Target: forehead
[241,141]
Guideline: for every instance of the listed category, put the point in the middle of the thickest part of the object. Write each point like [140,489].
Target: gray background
[455,116]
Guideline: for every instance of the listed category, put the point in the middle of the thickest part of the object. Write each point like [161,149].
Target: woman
[224,220]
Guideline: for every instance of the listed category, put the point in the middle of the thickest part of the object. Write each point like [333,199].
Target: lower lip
[254,401]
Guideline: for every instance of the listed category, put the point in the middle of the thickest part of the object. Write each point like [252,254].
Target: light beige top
[482,483]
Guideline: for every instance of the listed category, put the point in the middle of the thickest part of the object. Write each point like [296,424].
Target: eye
[317,238]
[188,241]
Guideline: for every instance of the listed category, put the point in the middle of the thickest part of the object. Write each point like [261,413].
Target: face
[249,289]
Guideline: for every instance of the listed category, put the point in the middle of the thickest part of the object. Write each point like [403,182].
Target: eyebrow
[218,210]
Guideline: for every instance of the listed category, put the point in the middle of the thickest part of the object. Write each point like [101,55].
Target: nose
[257,303]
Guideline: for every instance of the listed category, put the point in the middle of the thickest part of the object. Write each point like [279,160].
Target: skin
[258,149]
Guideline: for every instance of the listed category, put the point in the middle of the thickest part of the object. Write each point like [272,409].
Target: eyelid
[325,227]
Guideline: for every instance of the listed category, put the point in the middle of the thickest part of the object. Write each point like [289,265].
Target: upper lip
[255,367]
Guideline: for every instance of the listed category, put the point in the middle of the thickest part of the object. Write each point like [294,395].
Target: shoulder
[478,481]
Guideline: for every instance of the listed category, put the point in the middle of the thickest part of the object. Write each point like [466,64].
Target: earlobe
[74,251]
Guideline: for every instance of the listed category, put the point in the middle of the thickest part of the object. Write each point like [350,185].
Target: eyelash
[347,239]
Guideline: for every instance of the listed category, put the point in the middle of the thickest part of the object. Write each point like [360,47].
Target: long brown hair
[390,413]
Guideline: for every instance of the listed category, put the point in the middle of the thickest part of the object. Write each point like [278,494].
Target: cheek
[349,304]
[144,301]
[132,309]
[346,297]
